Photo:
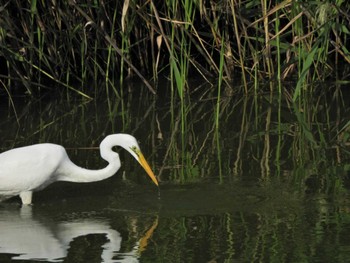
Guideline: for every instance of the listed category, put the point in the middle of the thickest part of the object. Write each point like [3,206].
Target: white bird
[32,168]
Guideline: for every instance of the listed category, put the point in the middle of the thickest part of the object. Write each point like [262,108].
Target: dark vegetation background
[77,45]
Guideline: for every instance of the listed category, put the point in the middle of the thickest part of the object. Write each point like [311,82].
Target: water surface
[270,185]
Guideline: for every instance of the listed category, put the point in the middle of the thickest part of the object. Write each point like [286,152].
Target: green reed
[217,111]
[258,136]
[53,43]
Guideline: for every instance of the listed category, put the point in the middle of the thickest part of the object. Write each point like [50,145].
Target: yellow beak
[148,169]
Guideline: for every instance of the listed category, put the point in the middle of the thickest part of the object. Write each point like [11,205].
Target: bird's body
[32,168]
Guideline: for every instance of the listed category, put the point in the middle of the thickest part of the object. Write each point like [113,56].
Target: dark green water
[270,185]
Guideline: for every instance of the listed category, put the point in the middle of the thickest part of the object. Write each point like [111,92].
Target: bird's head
[130,144]
[136,152]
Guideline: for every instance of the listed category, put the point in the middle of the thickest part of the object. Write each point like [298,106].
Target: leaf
[306,66]
[124,11]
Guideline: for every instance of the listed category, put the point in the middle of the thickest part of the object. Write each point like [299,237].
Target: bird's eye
[135,150]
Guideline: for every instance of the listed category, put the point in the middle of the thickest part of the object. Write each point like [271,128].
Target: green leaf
[307,64]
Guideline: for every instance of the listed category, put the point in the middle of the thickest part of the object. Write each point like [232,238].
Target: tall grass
[73,45]
[256,136]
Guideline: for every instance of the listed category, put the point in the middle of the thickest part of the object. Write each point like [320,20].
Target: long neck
[68,171]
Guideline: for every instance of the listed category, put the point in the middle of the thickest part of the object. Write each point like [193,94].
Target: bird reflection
[25,237]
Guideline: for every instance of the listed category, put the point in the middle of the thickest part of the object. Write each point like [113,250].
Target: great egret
[31,168]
